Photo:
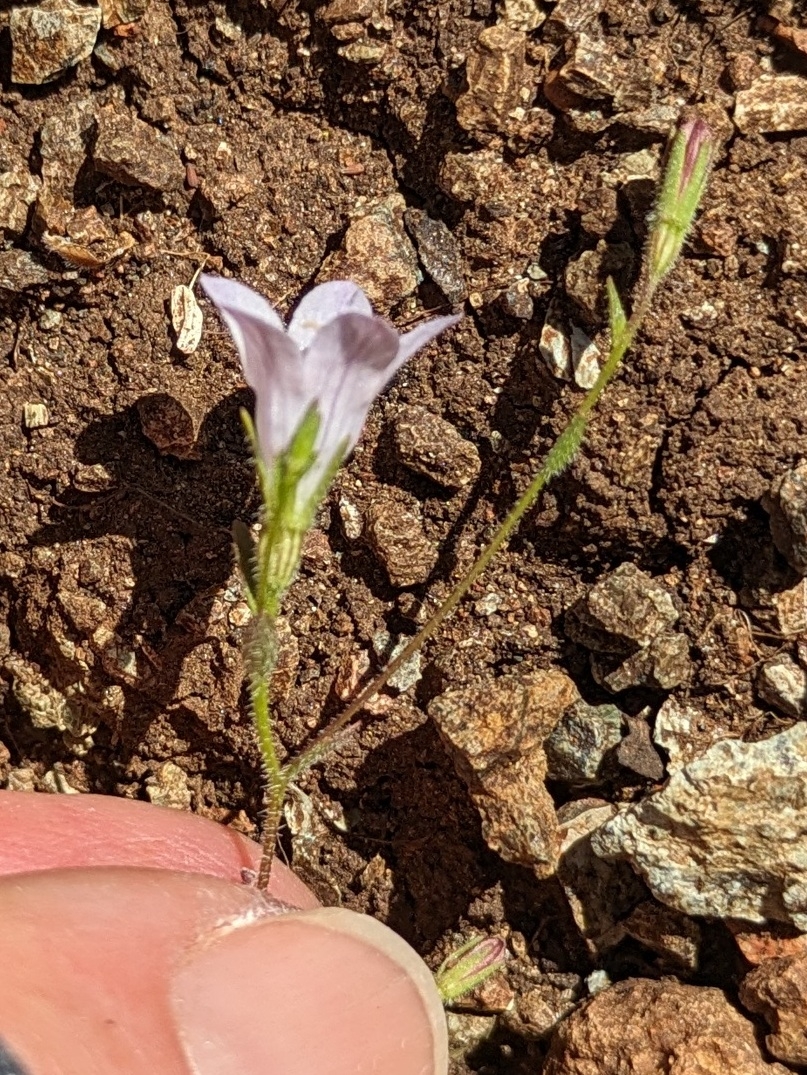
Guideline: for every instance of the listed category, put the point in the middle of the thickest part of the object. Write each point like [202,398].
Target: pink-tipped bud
[688,164]
[470,965]
[698,137]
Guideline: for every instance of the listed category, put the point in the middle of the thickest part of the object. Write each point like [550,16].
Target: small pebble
[395,533]
[577,748]
[786,503]
[50,37]
[637,753]
[783,684]
[439,252]
[431,446]
[35,416]
[409,673]
[555,351]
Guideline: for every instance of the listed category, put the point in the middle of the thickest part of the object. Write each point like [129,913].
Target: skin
[130,944]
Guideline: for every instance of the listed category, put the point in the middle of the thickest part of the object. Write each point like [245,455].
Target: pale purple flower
[336,354]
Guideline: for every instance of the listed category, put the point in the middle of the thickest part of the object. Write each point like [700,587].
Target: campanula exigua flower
[314,383]
[336,356]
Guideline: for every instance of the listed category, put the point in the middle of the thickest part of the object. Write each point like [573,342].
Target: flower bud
[688,164]
[470,965]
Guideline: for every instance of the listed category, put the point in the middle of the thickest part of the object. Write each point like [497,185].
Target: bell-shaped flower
[334,358]
[314,383]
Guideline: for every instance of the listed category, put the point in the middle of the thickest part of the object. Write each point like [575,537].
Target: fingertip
[50,832]
[324,991]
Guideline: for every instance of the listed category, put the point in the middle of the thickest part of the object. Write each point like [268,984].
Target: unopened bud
[470,965]
[688,164]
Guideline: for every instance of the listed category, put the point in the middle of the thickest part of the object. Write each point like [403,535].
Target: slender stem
[273,810]
[560,456]
[262,718]
[260,653]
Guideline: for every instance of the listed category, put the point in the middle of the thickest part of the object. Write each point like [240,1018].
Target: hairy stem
[559,457]
[261,656]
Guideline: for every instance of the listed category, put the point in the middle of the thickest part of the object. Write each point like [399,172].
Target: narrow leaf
[616,311]
[247,555]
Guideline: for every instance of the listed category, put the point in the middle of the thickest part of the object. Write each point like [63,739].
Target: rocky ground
[603,757]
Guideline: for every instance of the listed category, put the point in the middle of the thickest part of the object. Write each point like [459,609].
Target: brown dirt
[117,579]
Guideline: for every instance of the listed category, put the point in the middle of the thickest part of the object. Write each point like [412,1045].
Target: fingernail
[327,992]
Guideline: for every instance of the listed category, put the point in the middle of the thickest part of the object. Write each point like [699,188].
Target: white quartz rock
[727,836]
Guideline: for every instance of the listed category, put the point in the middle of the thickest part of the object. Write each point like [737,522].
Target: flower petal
[322,304]
[349,362]
[272,364]
[239,299]
[418,337]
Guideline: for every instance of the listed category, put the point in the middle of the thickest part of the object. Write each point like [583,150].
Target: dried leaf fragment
[186,319]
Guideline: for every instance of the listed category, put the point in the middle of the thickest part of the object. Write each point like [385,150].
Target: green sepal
[310,509]
[300,456]
[265,479]
[617,319]
[246,553]
[682,187]
[469,966]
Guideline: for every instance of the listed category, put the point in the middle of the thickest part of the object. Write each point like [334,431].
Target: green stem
[273,772]
[560,456]
[260,652]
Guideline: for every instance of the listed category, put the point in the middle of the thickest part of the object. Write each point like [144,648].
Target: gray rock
[555,350]
[431,446]
[409,673]
[63,140]
[517,301]
[727,836]
[599,893]
[622,612]
[676,731]
[522,14]
[585,359]
[49,38]
[625,619]
[786,503]
[439,252]
[580,743]
[18,192]
[662,665]
[636,751]
[783,684]
[19,271]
